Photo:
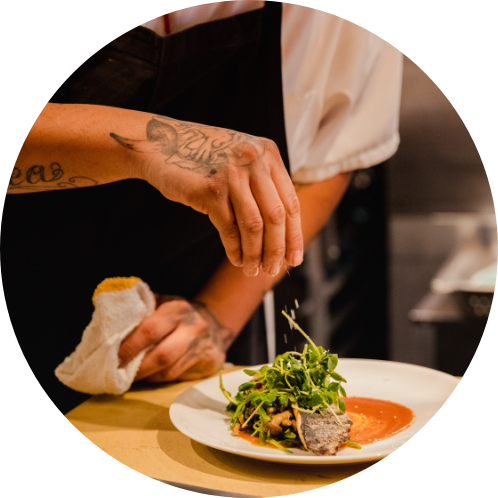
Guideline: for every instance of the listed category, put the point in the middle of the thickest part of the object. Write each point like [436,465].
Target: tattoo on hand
[215,335]
[52,178]
[193,146]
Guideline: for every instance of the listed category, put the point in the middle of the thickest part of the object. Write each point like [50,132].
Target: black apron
[57,246]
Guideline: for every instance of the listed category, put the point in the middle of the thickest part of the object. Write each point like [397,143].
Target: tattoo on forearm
[196,147]
[39,177]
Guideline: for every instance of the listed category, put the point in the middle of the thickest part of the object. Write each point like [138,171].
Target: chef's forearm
[232,296]
[70,146]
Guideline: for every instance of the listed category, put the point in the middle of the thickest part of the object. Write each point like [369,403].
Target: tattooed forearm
[196,147]
[39,177]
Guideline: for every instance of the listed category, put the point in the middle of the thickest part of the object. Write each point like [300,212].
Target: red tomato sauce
[376,419]
[250,439]
[255,440]
[373,420]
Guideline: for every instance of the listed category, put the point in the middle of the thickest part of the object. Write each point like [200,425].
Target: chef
[200,152]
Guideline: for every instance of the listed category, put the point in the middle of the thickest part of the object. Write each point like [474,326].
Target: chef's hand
[238,180]
[186,341]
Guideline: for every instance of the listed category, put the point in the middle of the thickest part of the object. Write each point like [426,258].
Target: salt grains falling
[293,316]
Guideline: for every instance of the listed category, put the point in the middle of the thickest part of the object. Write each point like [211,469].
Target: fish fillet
[322,434]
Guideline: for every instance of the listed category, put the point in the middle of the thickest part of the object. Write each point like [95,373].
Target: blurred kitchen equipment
[458,303]
[472,267]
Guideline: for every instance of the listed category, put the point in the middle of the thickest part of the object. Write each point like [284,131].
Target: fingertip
[236,261]
[234,256]
[295,258]
[251,271]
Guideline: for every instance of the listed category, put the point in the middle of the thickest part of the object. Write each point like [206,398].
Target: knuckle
[276,252]
[277,216]
[247,154]
[272,147]
[166,307]
[254,226]
[149,328]
[201,324]
[252,258]
[251,152]
[184,307]
[163,358]
[199,329]
[295,238]
[294,207]
[247,163]
[231,232]
[172,310]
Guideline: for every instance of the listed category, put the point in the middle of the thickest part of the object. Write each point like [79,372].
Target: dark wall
[437,166]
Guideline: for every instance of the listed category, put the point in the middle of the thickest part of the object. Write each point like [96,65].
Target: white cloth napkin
[93,366]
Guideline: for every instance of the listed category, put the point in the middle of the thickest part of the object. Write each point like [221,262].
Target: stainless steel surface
[463,286]
[436,308]
[425,261]
[451,308]
[473,260]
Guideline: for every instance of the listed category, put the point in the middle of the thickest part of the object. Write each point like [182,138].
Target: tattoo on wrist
[200,148]
[223,334]
[39,177]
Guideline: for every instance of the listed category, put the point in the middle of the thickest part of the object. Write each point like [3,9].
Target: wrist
[225,335]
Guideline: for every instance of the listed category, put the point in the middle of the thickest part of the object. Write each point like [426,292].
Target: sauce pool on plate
[373,420]
[376,419]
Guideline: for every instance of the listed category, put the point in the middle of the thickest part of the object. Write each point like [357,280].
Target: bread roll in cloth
[93,368]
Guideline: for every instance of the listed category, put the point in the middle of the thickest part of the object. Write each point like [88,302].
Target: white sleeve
[342,88]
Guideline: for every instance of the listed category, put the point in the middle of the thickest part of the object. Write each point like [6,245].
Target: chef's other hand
[186,341]
[238,180]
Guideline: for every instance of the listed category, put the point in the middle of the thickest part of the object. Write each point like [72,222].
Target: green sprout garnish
[305,381]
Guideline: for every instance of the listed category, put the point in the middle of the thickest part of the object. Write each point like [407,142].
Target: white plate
[199,412]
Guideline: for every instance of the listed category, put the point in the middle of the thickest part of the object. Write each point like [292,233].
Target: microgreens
[306,381]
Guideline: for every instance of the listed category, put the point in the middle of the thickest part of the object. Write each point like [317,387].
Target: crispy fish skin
[322,434]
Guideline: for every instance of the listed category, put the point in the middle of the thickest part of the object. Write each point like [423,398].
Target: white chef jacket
[341,87]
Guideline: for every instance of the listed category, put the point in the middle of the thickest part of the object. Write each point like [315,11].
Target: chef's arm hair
[231,296]
[70,146]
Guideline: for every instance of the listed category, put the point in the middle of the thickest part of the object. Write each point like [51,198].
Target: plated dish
[200,413]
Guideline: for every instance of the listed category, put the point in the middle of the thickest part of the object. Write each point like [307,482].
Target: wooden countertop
[136,430]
